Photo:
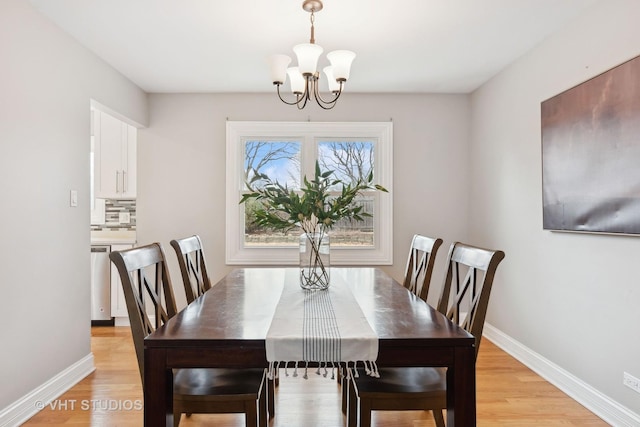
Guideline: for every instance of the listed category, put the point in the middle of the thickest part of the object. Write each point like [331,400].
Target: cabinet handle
[125,182]
[117,182]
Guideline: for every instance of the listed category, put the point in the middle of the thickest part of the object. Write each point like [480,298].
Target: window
[287,152]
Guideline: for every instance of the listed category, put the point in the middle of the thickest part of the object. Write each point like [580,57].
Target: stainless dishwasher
[100,286]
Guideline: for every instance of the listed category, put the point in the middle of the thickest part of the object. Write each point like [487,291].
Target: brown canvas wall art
[591,154]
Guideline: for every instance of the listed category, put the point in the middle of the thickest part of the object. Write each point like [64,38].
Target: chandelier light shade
[304,78]
[298,82]
[278,65]
[341,62]
[308,55]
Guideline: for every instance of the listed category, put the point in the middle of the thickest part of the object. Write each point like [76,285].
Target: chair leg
[352,403]
[365,413]
[271,396]
[263,417]
[438,418]
[250,414]
[344,391]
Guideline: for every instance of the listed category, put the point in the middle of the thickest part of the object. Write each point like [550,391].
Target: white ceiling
[450,46]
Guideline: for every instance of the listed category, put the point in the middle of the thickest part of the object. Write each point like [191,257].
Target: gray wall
[181,164]
[572,298]
[46,83]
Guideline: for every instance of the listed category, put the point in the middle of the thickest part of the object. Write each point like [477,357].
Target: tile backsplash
[113,209]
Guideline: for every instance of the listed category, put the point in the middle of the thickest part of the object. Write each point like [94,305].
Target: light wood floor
[508,394]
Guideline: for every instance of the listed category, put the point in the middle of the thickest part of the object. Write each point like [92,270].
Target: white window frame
[309,133]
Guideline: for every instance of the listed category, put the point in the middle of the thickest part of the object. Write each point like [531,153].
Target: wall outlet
[632,382]
[124,217]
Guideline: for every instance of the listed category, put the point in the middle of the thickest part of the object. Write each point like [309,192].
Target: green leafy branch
[313,207]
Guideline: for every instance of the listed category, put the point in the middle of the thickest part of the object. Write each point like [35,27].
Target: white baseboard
[121,321]
[603,406]
[30,404]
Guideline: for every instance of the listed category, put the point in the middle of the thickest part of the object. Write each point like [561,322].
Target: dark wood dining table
[227,327]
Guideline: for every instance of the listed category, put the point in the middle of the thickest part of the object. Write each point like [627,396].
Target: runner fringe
[370,368]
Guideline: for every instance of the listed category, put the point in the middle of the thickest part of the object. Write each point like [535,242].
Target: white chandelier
[304,78]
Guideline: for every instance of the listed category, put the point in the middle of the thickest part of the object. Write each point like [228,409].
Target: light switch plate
[124,218]
[73,198]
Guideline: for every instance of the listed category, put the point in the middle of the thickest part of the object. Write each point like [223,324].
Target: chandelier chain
[313,29]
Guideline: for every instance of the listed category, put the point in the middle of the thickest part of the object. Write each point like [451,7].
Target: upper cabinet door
[129,163]
[114,157]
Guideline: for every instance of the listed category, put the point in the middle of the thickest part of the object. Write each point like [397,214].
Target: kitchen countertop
[113,237]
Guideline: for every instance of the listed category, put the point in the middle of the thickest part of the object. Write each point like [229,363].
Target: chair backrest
[192,266]
[147,289]
[422,255]
[467,286]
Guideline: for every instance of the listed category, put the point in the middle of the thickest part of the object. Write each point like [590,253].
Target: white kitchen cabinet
[114,157]
[118,303]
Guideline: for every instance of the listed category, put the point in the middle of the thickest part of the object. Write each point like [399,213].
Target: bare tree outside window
[280,160]
[273,158]
[350,160]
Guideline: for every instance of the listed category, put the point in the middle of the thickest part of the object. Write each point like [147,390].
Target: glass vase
[314,260]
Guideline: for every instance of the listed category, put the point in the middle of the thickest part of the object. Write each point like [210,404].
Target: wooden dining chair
[151,303]
[193,266]
[417,279]
[464,299]
[195,278]
[422,255]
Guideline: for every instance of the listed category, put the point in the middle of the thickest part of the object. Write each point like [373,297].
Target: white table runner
[324,327]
